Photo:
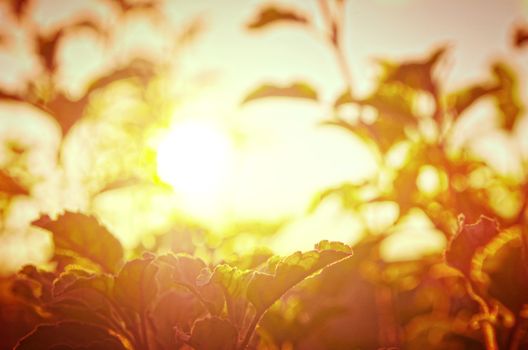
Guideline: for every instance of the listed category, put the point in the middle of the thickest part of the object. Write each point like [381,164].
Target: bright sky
[284,158]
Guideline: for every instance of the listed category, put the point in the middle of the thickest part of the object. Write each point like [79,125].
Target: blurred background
[136,117]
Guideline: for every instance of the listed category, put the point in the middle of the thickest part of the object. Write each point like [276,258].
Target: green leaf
[294,90]
[468,241]
[271,15]
[264,289]
[135,285]
[69,335]
[84,236]
[213,333]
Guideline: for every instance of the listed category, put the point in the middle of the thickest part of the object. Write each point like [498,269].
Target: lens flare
[196,158]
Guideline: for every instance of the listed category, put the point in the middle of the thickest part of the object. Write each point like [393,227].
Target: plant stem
[336,32]
[251,330]
[143,319]
[518,333]
[490,339]
[489,336]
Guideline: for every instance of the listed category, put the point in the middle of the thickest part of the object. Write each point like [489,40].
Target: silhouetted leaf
[175,309]
[233,279]
[135,285]
[47,49]
[43,289]
[469,240]
[10,186]
[67,278]
[294,90]
[127,6]
[506,267]
[461,100]
[264,289]
[119,184]
[19,7]
[184,270]
[69,335]
[508,100]
[271,15]
[333,245]
[520,37]
[344,98]
[213,334]
[10,96]
[85,236]
[383,133]
[67,111]
[348,193]
[415,74]
[84,298]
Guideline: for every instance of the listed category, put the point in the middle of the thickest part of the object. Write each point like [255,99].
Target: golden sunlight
[196,158]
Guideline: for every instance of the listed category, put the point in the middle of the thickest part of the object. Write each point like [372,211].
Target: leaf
[383,133]
[507,267]
[86,237]
[233,279]
[67,111]
[10,186]
[264,289]
[344,98]
[184,270]
[69,335]
[294,90]
[350,195]
[44,280]
[48,45]
[332,245]
[19,7]
[271,15]
[120,183]
[84,298]
[520,37]
[68,278]
[175,309]
[135,285]
[508,99]
[461,100]
[213,333]
[415,74]
[392,106]
[468,241]
[127,6]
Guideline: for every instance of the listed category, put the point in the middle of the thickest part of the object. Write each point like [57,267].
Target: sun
[196,158]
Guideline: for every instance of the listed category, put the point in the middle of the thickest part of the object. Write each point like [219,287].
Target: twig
[336,32]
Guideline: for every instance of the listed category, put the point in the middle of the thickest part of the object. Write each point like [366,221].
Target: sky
[284,157]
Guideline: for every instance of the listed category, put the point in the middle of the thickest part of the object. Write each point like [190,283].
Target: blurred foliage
[185,290]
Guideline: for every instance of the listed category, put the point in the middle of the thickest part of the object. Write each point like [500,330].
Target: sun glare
[196,158]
